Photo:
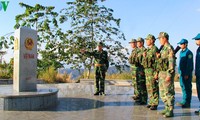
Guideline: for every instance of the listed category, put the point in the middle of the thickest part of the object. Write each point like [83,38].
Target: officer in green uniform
[148,62]
[101,64]
[185,71]
[197,69]
[132,61]
[166,68]
[140,75]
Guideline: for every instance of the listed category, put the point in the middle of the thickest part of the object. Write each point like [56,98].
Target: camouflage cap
[100,44]
[163,34]
[140,39]
[150,37]
[132,41]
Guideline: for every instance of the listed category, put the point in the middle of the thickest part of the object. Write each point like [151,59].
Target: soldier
[101,64]
[140,75]
[185,70]
[149,65]
[166,68]
[132,62]
[197,69]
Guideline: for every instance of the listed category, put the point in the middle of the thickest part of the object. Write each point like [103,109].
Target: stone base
[28,101]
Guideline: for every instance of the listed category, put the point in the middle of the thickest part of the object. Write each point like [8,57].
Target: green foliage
[6,70]
[44,20]
[89,24]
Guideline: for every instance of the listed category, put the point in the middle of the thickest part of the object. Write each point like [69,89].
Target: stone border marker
[25,60]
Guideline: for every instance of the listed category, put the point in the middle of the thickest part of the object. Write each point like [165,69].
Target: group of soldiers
[153,72]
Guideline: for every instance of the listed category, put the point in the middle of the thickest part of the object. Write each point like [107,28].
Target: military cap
[140,39]
[183,41]
[150,37]
[163,34]
[197,37]
[100,44]
[132,41]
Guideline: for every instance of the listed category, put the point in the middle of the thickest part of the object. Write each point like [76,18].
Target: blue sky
[179,18]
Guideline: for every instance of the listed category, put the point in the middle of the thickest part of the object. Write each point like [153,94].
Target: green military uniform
[166,68]
[151,84]
[132,61]
[101,65]
[140,75]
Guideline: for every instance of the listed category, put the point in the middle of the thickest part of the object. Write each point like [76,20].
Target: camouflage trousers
[99,79]
[134,80]
[141,84]
[166,90]
[152,87]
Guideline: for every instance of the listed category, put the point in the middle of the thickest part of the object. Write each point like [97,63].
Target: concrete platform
[76,102]
[27,101]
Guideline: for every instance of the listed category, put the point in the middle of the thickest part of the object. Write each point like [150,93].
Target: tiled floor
[76,102]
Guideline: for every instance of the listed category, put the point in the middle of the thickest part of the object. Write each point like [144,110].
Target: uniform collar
[184,50]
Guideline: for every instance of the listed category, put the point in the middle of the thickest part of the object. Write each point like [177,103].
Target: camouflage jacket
[132,57]
[149,60]
[166,62]
[139,56]
[100,57]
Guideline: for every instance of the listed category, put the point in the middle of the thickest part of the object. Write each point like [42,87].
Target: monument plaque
[25,60]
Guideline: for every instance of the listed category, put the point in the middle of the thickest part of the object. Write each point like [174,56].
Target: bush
[116,76]
[50,75]
[6,70]
[63,78]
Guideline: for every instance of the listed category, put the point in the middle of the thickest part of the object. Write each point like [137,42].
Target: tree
[44,20]
[90,23]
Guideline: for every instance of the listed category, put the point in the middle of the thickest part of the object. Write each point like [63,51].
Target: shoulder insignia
[189,56]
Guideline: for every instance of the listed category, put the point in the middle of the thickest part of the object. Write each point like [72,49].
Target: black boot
[96,93]
[154,107]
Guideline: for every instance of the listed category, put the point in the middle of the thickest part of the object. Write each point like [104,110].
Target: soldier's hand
[141,73]
[156,77]
[186,77]
[82,50]
[144,54]
[158,55]
[168,79]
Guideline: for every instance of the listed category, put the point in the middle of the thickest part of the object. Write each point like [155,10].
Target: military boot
[154,107]
[163,111]
[96,93]
[101,92]
[169,112]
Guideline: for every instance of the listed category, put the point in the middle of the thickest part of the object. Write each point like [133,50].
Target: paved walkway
[76,102]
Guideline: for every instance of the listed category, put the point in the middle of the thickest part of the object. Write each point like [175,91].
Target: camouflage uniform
[140,75]
[132,61]
[101,65]
[151,84]
[166,68]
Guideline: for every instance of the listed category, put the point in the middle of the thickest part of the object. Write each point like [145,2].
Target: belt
[99,65]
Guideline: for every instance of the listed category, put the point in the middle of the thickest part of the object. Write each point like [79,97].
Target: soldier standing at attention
[101,64]
[140,75]
[149,65]
[132,61]
[197,69]
[166,67]
[185,70]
